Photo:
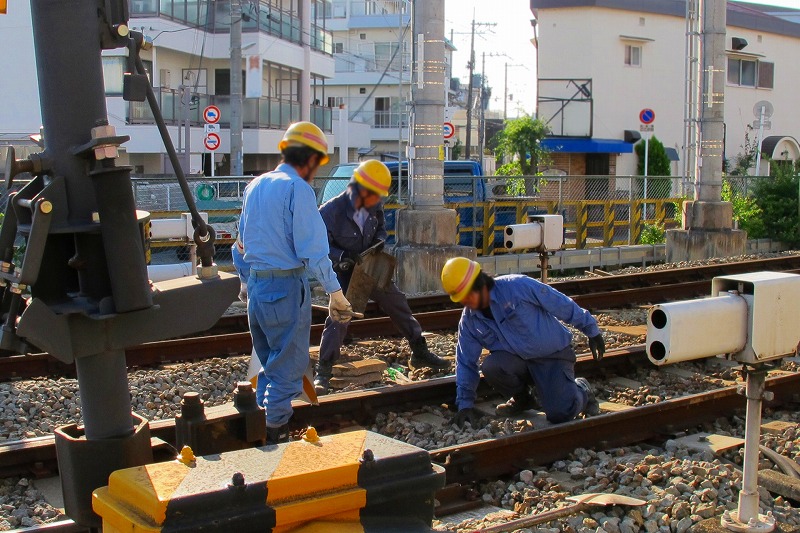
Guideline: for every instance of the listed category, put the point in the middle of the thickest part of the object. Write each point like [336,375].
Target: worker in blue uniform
[355,223]
[518,319]
[282,235]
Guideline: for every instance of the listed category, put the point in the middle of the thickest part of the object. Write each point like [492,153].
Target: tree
[746,160]
[521,139]
[658,164]
[776,197]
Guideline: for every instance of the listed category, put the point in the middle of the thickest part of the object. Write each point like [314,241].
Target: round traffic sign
[211,141]
[647,116]
[449,130]
[211,114]
[205,192]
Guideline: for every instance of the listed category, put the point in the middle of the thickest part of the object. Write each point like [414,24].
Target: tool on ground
[375,271]
[582,503]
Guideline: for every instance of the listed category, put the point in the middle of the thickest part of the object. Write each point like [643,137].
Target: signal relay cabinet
[773,301]
[552,230]
[357,481]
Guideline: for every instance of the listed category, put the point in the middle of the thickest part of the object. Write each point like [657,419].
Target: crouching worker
[355,223]
[517,319]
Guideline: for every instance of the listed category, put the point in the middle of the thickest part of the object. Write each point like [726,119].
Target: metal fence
[598,210]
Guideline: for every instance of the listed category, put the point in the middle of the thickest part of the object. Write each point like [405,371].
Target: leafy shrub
[653,234]
[777,198]
[746,212]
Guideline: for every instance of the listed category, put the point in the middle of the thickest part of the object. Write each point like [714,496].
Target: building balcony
[215,17]
[264,113]
[348,14]
[348,62]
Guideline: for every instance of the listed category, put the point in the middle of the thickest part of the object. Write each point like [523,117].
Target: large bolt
[192,406]
[244,397]
[237,480]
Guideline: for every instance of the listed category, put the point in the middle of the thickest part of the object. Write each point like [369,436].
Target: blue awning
[672,154]
[587,146]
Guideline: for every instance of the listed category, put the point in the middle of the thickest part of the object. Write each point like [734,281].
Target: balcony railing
[382,119]
[360,8]
[215,17]
[347,62]
[269,113]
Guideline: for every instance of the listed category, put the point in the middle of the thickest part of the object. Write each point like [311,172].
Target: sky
[507,42]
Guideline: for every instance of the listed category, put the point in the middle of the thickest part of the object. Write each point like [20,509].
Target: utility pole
[469,91]
[236,89]
[482,123]
[471,73]
[505,88]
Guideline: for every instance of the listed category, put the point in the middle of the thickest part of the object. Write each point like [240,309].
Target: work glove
[243,292]
[354,257]
[598,346]
[467,415]
[339,309]
[378,244]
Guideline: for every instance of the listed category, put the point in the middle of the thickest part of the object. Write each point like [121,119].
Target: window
[633,55]
[113,71]
[335,101]
[338,48]
[751,73]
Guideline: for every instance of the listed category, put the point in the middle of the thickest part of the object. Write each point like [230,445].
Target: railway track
[479,460]
[229,337]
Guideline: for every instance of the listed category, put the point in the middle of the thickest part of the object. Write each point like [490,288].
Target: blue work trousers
[560,397]
[279,312]
[393,302]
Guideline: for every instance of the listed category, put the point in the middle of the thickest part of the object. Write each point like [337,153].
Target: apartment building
[601,62]
[373,70]
[189,68]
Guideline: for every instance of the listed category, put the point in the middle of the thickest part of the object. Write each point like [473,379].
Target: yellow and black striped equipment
[351,482]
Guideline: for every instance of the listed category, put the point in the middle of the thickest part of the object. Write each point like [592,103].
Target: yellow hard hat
[458,275]
[307,134]
[373,175]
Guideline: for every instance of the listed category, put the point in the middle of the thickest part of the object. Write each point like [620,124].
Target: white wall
[19,96]
[586,43]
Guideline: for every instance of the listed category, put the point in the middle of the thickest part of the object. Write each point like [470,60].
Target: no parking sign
[212,141]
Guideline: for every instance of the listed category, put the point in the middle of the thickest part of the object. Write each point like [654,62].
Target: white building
[372,51]
[191,49]
[603,61]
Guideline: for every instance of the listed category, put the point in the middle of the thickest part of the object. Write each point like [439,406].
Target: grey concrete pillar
[427,232]
[709,182]
[305,75]
[427,186]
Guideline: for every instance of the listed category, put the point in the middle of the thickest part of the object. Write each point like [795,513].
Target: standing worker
[517,319]
[355,223]
[281,235]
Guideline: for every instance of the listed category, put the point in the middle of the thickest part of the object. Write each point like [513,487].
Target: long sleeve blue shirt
[344,235]
[281,228]
[526,322]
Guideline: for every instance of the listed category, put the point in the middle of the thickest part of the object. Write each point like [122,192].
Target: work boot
[592,405]
[421,356]
[278,435]
[515,405]
[323,378]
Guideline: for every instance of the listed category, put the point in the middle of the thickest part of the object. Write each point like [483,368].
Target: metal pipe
[105,400]
[236,89]
[748,496]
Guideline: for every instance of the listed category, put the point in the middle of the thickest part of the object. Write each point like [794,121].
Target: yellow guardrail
[588,223]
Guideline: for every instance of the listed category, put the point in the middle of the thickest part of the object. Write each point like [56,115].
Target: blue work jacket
[344,235]
[527,315]
[281,228]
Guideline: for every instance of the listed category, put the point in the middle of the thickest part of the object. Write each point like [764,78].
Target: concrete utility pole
[426,231]
[469,91]
[305,75]
[708,221]
[237,158]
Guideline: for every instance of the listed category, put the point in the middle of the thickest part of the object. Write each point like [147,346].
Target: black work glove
[598,346]
[467,415]
[345,265]
[354,257]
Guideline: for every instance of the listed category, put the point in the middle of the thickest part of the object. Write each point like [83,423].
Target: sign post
[211,115]
[646,116]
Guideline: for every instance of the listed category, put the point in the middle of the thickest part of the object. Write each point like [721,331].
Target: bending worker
[355,223]
[517,318]
[281,235]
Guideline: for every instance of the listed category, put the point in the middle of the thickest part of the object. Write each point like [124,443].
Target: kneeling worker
[355,223]
[517,318]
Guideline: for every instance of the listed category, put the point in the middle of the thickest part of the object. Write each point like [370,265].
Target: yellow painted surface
[312,468]
[349,502]
[117,517]
[329,527]
[148,488]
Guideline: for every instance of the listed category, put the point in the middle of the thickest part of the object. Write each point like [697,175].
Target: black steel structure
[80,291]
